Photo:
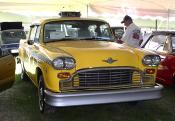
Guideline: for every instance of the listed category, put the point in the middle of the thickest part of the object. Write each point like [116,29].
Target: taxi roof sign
[69,14]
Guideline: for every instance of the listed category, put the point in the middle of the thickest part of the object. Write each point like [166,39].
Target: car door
[7,68]
[170,59]
[28,51]
[31,49]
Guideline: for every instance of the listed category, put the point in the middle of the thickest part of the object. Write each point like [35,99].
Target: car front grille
[105,77]
[101,78]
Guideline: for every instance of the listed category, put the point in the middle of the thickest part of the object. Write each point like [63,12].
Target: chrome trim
[114,85]
[95,69]
[102,97]
[40,57]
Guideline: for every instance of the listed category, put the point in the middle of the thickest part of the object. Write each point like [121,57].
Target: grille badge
[109,60]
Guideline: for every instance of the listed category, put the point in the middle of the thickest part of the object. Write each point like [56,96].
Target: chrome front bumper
[102,97]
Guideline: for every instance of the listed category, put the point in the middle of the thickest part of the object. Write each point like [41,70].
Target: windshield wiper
[97,38]
[88,38]
[62,39]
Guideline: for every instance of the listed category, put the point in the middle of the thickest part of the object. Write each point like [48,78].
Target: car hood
[96,53]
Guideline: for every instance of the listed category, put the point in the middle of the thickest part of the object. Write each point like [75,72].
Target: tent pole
[168,19]
[87,10]
[156,24]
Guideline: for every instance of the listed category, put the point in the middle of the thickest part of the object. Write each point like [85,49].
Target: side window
[32,33]
[156,43]
[118,32]
[36,38]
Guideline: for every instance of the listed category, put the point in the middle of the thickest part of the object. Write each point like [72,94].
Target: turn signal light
[150,71]
[63,75]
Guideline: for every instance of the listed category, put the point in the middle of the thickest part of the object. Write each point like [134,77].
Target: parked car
[10,35]
[118,33]
[163,43]
[76,61]
[7,69]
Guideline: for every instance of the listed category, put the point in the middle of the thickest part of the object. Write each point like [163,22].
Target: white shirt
[132,35]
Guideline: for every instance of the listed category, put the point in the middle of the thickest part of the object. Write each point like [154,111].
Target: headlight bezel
[63,63]
[151,60]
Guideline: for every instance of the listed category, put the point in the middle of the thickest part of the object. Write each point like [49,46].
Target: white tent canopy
[163,10]
[140,7]
[153,8]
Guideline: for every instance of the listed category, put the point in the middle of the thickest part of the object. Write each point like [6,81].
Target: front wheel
[24,76]
[41,95]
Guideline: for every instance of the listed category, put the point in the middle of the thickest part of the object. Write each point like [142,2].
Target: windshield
[77,30]
[12,36]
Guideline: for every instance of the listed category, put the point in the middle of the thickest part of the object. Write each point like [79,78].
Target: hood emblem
[109,60]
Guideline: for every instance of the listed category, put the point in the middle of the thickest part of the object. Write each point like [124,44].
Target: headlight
[63,63]
[151,60]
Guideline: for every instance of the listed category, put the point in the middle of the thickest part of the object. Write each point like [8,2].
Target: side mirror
[30,42]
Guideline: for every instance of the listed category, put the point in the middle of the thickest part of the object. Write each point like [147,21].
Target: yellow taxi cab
[76,61]
[7,69]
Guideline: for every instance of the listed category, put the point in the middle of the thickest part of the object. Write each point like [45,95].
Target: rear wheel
[24,76]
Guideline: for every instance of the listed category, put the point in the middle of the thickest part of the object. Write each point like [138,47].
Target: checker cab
[76,61]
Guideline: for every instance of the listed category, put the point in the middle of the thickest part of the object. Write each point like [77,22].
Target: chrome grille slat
[103,75]
[103,78]
[107,77]
[116,78]
[93,80]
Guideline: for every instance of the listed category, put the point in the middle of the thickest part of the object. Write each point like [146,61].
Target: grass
[20,103]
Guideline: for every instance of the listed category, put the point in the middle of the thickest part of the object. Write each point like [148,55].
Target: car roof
[163,33]
[43,21]
[10,25]
[172,33]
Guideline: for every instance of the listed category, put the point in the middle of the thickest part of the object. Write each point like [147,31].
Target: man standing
[132,36]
